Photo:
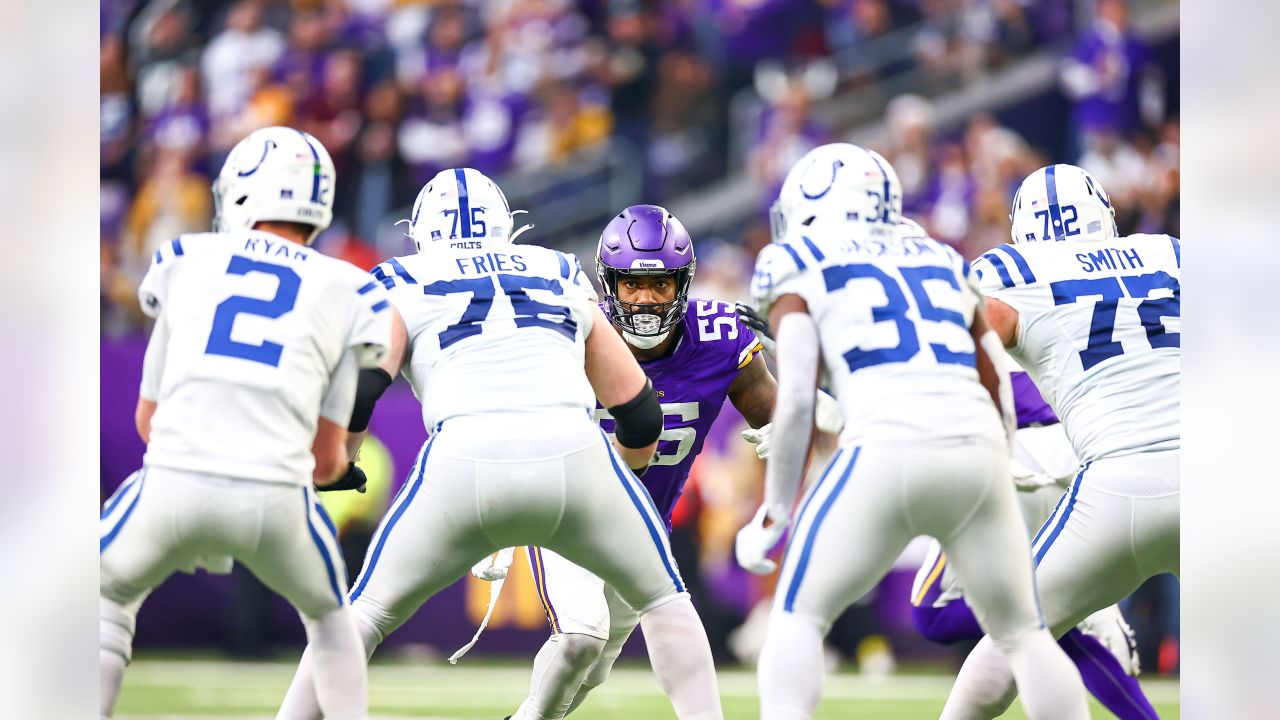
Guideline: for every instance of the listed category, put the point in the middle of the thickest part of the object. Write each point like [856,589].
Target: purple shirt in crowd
[1119,60]
[692,382]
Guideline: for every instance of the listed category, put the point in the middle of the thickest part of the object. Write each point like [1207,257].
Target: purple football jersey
[1031,408]
[692,382]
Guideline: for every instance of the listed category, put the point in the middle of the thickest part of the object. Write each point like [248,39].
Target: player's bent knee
[580,650]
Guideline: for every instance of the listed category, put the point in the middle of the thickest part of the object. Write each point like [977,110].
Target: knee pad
[579,650]
[116,623]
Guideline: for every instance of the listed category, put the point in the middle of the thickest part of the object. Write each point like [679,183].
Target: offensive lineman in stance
[696,353]
[1095,320]
[507,351]
[923,450]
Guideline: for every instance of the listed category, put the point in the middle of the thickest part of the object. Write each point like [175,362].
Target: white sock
[116,623]
[110,676]
[558,671]
[681,658]
[1048,682]
[301,702]
[791,668]
[338,665]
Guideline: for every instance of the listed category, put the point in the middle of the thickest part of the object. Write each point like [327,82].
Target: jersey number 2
[267,353]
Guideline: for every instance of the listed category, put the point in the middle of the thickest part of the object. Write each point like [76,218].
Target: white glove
[761,437]
[1026,479]
[755,541]
[494,567]
[826,414]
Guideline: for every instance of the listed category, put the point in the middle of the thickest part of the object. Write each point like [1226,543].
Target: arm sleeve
[153,361]
[153,290]
[370,334]
[579,291]
[793,414]
[340,397]
[777,273]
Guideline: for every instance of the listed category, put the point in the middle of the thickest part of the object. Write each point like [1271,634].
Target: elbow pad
[372,383]
[638,420]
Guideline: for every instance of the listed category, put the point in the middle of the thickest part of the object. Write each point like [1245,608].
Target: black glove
[753,320]
[352,479]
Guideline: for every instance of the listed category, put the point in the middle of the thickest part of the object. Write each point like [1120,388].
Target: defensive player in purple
[1102,647]
[697,353]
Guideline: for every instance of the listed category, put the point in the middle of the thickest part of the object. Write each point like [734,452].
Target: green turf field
[203,689]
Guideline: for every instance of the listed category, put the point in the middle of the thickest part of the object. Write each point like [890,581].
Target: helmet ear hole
[242,200]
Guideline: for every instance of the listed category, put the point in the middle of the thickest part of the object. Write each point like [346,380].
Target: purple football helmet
[645,240]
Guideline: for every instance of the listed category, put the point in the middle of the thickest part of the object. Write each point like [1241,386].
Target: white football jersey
[249,331]
[1098,331]
[495,328]
[893,317]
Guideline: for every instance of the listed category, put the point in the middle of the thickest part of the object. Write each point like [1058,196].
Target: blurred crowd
[399,89]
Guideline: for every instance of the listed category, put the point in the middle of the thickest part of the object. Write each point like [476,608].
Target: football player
[508,352]
[895,321]
[248,386]
[697,353]
[1094,318]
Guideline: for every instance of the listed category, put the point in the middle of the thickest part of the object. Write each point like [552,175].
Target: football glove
[761,437]
[826,414]
[495,566]
[352,479]
[756,540]
[758,324]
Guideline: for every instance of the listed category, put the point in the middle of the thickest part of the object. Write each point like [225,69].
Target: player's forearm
[142,418]
[993,376]
[793,414]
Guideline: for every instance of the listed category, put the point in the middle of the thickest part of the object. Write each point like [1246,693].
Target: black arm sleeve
[372,383]
[639,420]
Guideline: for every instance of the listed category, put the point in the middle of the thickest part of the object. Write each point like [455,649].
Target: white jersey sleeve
[493,329]
[1099,333]
[255,329]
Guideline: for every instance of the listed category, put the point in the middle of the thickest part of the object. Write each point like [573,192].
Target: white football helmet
[276,173]
[1061,202]
[460,205]
[839,185]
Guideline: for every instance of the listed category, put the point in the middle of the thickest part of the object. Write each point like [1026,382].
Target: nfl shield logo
[286,194]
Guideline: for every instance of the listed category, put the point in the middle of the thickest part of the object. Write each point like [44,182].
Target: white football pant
[1116,526]
[855,521]
[549,479]
[162,520]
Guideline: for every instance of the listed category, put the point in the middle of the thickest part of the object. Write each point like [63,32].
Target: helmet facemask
[646,320]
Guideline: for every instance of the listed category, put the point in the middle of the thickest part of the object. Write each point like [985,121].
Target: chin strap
[517,233]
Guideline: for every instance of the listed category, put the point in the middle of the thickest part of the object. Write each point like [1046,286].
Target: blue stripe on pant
[406,495]
[806,550]
[629,483]
[1062,521]
[105,540]
[330,566]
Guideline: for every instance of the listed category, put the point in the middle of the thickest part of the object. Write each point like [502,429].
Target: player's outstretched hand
[756,540]
[495,566]
[352,479]
[758,324]
[761,437]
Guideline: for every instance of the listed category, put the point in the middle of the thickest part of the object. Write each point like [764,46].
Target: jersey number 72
[1110,290]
